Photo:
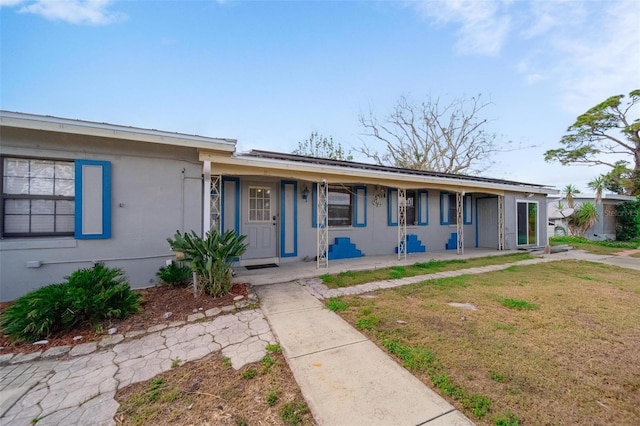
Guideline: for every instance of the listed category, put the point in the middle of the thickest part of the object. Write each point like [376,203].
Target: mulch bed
[154,303]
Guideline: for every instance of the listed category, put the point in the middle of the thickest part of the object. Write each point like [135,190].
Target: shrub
[175,274]
[628,220]
[88,296]
[210,257]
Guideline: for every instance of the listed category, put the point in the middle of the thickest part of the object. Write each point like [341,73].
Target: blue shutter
[92,199]
[359,206]
[444,208]
[468,210]
[314,207]
[423,207]
[392,207]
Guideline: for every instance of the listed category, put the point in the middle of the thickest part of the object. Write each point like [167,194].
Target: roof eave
[87,128]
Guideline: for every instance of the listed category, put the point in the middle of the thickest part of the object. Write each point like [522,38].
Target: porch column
[206,195]
[460,221]
[211,200]
[402,223]
[500,222]
[322,221]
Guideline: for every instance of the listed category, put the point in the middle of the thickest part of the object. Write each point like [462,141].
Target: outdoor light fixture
[305,194]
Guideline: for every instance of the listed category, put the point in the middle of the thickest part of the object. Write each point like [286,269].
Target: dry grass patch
[211,392]
[350,278]
[553,343]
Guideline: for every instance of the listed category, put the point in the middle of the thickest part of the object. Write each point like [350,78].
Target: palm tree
[583,218]
[570,191]
[597,185]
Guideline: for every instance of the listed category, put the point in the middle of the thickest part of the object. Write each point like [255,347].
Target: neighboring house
[604,228]
[76,192]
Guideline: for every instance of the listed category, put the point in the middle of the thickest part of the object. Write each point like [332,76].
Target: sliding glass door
[527,221]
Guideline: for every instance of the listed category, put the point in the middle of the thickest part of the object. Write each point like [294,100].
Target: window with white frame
[340,206]
[43,197]
[259,204]
[38,197]
[448,209]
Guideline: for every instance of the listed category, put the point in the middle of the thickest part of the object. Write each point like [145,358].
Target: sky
[269,73]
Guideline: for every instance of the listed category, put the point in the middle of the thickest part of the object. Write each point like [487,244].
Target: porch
[292,271]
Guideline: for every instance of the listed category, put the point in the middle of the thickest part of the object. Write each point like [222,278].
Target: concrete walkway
[80,390]
[345,378]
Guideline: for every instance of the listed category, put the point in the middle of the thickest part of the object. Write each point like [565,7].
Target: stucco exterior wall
[155,190]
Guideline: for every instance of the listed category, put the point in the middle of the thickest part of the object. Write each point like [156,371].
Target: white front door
[260,221]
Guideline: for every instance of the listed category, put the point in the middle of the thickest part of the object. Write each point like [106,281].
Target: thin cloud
[484,27]
[87,12]
[589,49]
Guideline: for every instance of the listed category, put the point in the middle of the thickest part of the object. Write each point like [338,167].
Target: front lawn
[597,247]
[552,343]
[351,278]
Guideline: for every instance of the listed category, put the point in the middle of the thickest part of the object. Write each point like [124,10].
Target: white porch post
[206,196]
[402,223]
[322,228]
[500,222]
[460,221]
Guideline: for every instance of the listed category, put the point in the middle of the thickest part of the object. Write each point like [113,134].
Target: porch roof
[312,169]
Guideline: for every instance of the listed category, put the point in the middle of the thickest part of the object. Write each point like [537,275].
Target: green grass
[336,305]
[597,247]
[249,373]
[292,413]
[272,398]
[350,278]
[518,304]
[421,360]
[564,325]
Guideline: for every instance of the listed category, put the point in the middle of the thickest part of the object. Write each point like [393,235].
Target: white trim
[537,243]
[89,128]
[340,174]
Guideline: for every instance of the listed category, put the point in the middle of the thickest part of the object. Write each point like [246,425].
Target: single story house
[76,192]
[603,229]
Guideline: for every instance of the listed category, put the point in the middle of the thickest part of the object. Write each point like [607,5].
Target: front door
[260,221]
[487,210]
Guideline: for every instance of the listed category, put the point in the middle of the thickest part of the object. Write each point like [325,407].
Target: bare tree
[431,136]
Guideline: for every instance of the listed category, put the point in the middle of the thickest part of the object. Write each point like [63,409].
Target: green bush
[210,257]
[88,296]
[628,220]
[175,274]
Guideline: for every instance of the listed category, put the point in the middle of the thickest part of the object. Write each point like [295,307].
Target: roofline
[89,128]
[605,196]
[312,171]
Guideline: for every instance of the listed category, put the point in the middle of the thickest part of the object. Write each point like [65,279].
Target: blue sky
[270,73]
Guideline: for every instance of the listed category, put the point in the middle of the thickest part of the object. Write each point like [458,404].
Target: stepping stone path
[80,385]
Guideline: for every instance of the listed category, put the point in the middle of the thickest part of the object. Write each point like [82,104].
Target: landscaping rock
[167,315]
[195,317]
[237,298]
[229,308]
[41,342]
[111,340]
[212,312]
[83,349]
[25,357]
[5,358]
[112,331]
[56,352]
[76,338]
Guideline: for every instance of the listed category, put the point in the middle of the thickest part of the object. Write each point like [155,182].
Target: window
[43,197]
[416,209]
[259,204]
[448,209]
[340,206]
[38,197]
[347,206]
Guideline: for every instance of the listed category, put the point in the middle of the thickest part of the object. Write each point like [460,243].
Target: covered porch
[292,271]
